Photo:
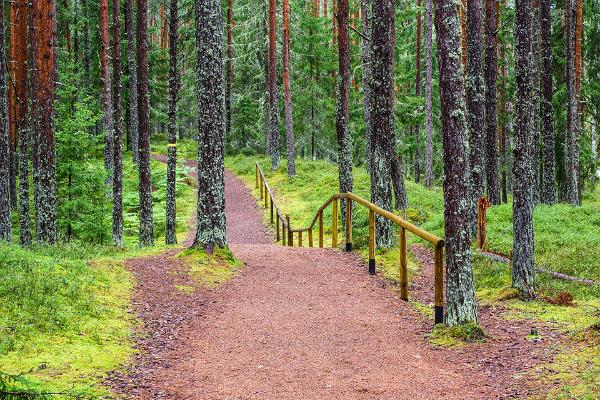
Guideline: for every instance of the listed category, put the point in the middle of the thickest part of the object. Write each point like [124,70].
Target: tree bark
[289,123]
[273,106]
[428,93]
[117,228]
[523,268]
[548,188]
[475,92]
[44,52]
[171,214]
[133,82]
[229,67]
[212,229]
[535,101]
[572,155]
[5,143]
[12,105]
[417,128]
[341,116]
[381,111]
[491,126]
[22,119]
[365,10]
[460,293]
[146,218]
[107,105]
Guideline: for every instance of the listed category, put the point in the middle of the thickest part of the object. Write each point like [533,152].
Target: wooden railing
[285,233]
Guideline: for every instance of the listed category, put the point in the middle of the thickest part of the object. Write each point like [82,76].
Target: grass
[65,310]
[566,241]
[456,336]
[209,270]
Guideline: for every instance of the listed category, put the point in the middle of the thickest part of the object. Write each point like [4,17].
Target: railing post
[300,239]
[277,227]
[371,242]
[348,225]
[261,187]
[310,237]
[439,283]
[272,214]
[321,229]
[266,197]
[289,232]
[283,233]
[334,224]
[403,268]
[256,165]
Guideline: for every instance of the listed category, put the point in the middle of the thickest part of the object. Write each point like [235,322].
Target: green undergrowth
[566,241]
[65,317]
[209,270]
[456,336]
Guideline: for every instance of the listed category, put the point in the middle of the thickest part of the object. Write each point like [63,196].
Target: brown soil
[300,323]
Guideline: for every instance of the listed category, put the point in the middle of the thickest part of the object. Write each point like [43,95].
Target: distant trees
[211,230]
[146,218]
[460,293]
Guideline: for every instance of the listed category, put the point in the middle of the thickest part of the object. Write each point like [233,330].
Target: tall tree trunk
[146,218]
[417,128]
[107,105]
[273,106]
[212,229]
[491,126]
[535,101]
[548,187]
[229,67]
[341,116]
[117,228]
[475,92]
[381,111]
[289,123]
[133,82]
[365,11]
[5,143]
[572,156]
[87,48]
[43,47]
[12,105]
[428,93]
[21,117]
[460,293]
[171,226]
[523,268]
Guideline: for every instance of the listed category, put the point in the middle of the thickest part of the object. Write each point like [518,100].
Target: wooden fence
[286,233]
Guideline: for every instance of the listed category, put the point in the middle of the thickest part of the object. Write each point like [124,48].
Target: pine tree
[21,117]
[548,187]
[146,218]
[272,85]
[229,67]
[523,268]
[491,123]
[460,293]
[572,153]
[289,123]
[117,228]
[417,128]
[5,153]
[365,11]
[344,139]
[212,228]
[107,105]
[44,56]
[171,225]
[428,93]
[475,92]
[133,84]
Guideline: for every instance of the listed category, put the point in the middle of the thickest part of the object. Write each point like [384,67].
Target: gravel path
[297,323]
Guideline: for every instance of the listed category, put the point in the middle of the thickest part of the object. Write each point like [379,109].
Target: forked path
[300,323]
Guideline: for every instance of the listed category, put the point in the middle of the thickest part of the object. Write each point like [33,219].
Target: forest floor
[309,323]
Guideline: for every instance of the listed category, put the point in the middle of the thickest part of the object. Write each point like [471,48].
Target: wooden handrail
[287,235]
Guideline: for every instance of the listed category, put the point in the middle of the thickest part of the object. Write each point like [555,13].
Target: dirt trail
[297,323]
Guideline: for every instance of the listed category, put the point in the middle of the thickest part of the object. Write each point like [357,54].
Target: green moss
[456,336]
[210,270]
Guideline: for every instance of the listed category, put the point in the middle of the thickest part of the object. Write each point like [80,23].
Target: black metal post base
[348,246]
[439,314]
[372,266]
